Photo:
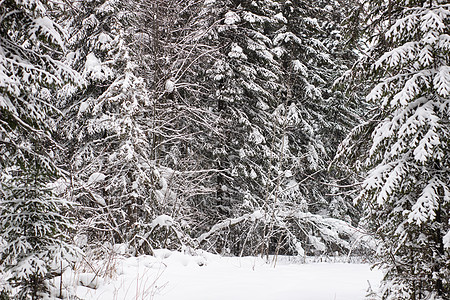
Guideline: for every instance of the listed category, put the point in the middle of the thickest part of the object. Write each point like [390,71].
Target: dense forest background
[239,127]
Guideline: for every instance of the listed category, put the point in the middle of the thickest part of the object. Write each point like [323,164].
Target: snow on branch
[441,81]
[425,207]
[256,215]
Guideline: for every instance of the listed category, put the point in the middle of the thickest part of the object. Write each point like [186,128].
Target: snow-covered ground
[177,276]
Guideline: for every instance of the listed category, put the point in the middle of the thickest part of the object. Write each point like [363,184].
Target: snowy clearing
[174,276]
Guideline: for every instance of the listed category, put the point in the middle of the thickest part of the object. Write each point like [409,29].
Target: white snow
[231,18]
[59,186]
[299,67]
[256,137]
[236,52]
[48,27]
[83,107]
[93,65]
[425,207]
[104,38]
[96,177]
[163,221]
[446,240]
[300,250]
[315,241]
[280,18]
[170,85]
[262,105]
[99,199]
[90,280]
[95,69]
[171,275]
[441,81]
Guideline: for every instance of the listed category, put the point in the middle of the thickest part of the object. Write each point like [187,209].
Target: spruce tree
[35,228]
[32,217]
[107,125]
[272,84]
[132,131]
[406,192]
[313,56]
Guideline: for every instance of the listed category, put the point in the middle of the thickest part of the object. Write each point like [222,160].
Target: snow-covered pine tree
[245,86]
[274,127]
[107,126]
[32,218]
[313,56]
[35,228]
[406,191]
[133,130]
[314,118]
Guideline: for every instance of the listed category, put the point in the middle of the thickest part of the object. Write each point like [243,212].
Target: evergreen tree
[34,227]
[131,130]
[313,56]
[245,81]
[272,84]
[32,218]
[406,192]
[107,125]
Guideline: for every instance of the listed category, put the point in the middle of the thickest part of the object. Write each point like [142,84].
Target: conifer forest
[302,128]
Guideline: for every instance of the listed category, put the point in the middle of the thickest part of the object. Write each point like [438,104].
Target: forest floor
[170,275]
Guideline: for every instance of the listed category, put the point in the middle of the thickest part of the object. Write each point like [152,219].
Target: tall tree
[313,56]
[32,218]
[406,191]
[107,126]
[245,81]
[176,61]
[272,84]
[131,130]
